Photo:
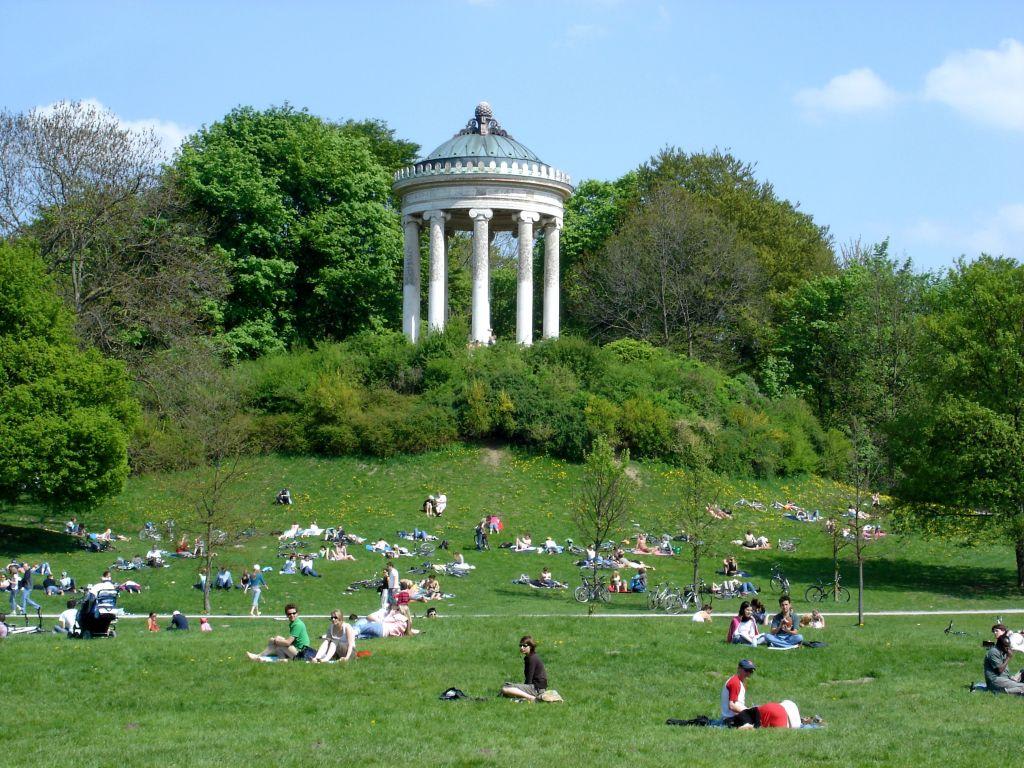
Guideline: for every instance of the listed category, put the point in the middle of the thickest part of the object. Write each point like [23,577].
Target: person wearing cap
[178,622]
[782,714]
[734,692]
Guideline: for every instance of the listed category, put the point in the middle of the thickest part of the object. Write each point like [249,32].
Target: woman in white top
[338,643]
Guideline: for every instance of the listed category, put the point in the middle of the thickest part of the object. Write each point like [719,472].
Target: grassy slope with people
[892,691]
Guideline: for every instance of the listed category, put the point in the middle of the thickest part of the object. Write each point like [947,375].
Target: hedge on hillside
[374,394]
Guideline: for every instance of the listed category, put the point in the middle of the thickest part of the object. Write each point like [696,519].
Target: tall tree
[65,414]
[128,259]
[788,244]
[701,491]
[303,209]
[673,275]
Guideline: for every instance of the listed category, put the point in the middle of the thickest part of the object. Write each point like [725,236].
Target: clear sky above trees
[903,120]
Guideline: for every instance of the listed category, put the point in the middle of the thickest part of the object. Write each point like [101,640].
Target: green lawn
[893,692]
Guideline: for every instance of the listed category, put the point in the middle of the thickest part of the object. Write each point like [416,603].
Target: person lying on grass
[523,543]
[295,646]
[814,620]
[535,677]
[339,644]
[393,621]
[784,714]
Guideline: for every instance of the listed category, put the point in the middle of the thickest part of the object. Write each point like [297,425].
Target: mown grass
[376,498]
[892,693]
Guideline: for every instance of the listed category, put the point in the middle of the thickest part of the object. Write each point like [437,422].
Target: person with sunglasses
[339,643]
[535,676]
[294,647]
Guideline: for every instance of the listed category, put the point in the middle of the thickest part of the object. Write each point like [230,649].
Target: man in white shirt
[66,620]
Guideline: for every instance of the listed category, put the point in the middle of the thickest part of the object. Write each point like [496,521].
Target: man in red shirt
[734,692]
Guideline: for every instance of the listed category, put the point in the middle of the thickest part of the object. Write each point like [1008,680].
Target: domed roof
[483,138]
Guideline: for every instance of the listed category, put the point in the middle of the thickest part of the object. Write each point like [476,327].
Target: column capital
[440,216]
[407,220]
[480,214]
[527,216]
[553,222]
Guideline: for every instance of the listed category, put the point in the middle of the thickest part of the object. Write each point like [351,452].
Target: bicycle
[593,589]
[149,531]
[667,597]
[788,545]
[375,584]
[574,549]
[817,593]
[757,505]
[170,526]
[779,582]
[423,568]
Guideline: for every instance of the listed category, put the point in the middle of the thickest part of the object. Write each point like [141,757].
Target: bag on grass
[452,694]
[550,696]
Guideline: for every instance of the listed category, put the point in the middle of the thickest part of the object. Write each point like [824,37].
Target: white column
[411,280]
[480,331]
[552,230]
[524,288]
[436,288]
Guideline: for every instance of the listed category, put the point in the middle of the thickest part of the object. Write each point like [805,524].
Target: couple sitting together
[783,633]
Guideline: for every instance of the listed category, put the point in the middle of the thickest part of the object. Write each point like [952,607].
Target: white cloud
[169,133]
[985,85]
[859,90]
[998,234]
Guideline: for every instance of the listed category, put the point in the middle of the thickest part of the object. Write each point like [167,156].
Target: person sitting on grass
[730,567]
[639,581]
[339,644]
[67,583]
[750,541]
[155,558]
[642,547]
[734,692]
[223,579]
[244,581]
[294,647]
[291,533]
[51,587]
[997,659]
[743,628]
[459,563]
[306,567]
[151,625]
[535,677]
[523,543]
[284,496]
[339,552]
[179,623]
[759,610]
[784,632]
[201,583]
[703,616]
[430,588]
[814,620]
[551,547]
[183,549]
[291,566]
[204,624]
[616,584]
[545,581]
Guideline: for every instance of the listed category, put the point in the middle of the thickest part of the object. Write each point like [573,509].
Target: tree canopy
[65,414]
[303,209]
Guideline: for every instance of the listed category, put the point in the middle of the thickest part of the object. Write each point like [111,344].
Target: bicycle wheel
[652,600]
[675,604]
[602,593]
[581,593]
[426,550]
[775,585]
[814,594]
[843,595]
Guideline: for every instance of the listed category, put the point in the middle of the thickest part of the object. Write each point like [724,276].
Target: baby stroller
[96,615]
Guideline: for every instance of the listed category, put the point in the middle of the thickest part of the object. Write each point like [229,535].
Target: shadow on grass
[15,540]
[904,575]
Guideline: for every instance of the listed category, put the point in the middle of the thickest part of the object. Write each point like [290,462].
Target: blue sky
[897,119]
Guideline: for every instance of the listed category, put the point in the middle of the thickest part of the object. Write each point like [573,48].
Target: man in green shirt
[295,646]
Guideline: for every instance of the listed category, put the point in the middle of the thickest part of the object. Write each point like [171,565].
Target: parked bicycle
[667,597]
[788,545]
[829,589]
[593,589]
[150,531]
[779,582]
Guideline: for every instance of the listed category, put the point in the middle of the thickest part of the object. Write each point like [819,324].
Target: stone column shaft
[411,280]
[438,270]
[524,288]
[480,331]
[552,232]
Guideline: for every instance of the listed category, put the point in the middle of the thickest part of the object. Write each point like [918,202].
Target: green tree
[700,491]
[391,152]
[65,413]
[963,458]
[788,244]
[303,209]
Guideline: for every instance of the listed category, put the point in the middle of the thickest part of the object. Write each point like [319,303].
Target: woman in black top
[535,676]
